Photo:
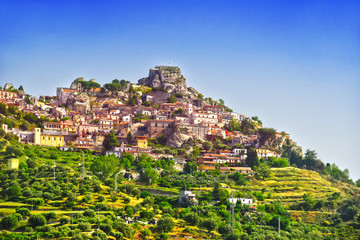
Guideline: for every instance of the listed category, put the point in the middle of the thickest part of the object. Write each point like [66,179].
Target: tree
[284,222]
[149,175]
[129,137]
[126,160]
[13,191]
[125,229]
[3,109]
[266,134]
[247,127]
[94,86]
[239,178]
[107,228]
[233,125]
[105,166]
[221,101]
[263,170]
[190,167]
[252,158]
[64,220]
[349,212]
[14,150]
[180,111]
[220,193]
[256,118]
[280,163]
[208,146]
[196,151]
[25,212]
[21,88]
[10,221]
[210,224]
[110,142]
[192,218]
[36,220]
[357,183]
[336,173]
[112,87]
[165,224]
[3,142]
[310,158]
[171,99]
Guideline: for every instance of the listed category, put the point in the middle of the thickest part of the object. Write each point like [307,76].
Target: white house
[243,201]
[186,196]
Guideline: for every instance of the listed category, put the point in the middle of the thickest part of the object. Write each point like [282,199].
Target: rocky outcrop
[177,139]
[193,93]
[74,84]
[8,86]
[167,78]
[79,102]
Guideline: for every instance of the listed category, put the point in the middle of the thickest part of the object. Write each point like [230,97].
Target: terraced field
[288,185]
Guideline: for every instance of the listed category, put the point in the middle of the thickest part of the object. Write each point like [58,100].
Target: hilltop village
[159,109]
[158,160]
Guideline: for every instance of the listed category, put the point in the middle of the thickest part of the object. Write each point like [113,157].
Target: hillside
[276,195]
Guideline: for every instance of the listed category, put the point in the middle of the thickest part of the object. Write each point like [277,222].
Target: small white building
[243,201]
[186,196]
[126,118]
[179,163]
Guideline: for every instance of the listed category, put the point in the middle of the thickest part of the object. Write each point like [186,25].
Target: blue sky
[295,64]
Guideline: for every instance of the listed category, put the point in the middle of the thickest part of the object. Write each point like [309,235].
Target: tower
[79,89]
[37,135]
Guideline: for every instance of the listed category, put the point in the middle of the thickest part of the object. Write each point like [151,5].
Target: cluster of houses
[133,126]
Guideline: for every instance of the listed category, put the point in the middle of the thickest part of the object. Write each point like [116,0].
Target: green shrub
[64,220]
[165,224]
[10,221]
[84,226]
[36,220]
[25,212]
[107,228]
[89,213]
[192,218]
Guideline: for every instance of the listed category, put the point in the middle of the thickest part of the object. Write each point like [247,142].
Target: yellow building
[13,163]
[142,141]
[53,139]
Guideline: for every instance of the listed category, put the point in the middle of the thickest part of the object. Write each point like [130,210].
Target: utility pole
[279,226]
[116,176]
[83,167]
[232,218]
[54,170]
[98,219]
